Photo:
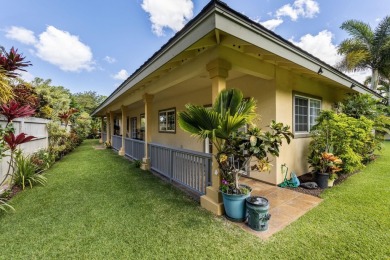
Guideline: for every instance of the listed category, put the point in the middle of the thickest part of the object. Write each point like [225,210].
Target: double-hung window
[306,111]
[167,120]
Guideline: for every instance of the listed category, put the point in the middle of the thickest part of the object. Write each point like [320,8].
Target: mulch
[317,192]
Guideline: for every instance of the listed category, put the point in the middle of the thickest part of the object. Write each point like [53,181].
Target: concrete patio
[286,206]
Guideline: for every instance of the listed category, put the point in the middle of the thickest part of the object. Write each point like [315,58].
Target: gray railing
[135,149]
[189,168]
[104,137]
[116,142]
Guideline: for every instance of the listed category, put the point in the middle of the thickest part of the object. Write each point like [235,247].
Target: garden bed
[317,192]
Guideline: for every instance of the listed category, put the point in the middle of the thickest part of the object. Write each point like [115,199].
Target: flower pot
[322,180]
[234,205]
[331,182]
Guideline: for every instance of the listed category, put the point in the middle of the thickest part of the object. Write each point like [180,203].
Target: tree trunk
[374,79]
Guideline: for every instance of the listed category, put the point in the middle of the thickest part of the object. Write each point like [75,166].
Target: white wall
[30,126]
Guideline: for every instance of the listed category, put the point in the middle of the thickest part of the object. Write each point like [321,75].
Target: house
[220,48]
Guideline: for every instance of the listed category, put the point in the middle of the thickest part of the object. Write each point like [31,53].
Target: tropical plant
[326,163]
[12,143]
[4,206]
[65,116]
[14,110]
[351,139]
[357,105]
[42,159]
[12,61]
[83,125]
[26,172]
[235,149]
[25,95]
[367,48]
[5,89]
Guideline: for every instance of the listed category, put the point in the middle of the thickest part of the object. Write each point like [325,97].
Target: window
[142,123]
[306,111]
[133,124]
[167,120]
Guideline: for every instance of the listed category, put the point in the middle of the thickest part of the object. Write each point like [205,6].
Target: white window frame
[166,111]
[309,99]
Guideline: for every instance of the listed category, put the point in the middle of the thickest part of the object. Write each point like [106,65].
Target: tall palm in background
[366,49]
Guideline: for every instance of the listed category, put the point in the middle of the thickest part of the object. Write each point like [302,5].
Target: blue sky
[95,45]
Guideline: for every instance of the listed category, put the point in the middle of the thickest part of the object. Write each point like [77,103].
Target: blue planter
[235,206]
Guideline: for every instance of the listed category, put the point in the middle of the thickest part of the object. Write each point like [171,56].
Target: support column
[212,201]
[107,128]
[123,131]
[148,99]
[111,126]
[101,129]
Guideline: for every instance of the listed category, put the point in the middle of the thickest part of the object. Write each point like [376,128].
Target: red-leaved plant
[12,61]
[14,110]
[12,143]
[65,116]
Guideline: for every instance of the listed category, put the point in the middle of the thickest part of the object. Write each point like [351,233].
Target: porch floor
[286,206]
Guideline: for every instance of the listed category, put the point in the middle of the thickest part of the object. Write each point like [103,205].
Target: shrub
[42,159]
[26,172]
[358,105]
[137,163]
[60,141]
[349,138]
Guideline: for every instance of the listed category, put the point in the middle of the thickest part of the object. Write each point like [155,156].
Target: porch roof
[218,24]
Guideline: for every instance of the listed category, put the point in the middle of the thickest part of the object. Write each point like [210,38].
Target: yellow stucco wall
[295,154]
[180,139]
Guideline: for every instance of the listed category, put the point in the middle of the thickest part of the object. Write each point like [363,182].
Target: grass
[97,205]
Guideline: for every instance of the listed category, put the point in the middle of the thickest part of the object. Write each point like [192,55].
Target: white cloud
[64,50]
[121,75]
[272,24]
[26,76]
[21,34]
[171,14]
[110,59]
[359,76]
[303,8]
[320,45]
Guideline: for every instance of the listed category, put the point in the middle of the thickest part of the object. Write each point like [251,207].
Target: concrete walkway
[286,206]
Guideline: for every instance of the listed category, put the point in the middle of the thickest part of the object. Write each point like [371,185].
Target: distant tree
[87,101]
[366,49]
[53,99]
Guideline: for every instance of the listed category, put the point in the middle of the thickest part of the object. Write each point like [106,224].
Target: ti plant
[12,142]
[65,116]
[12,61]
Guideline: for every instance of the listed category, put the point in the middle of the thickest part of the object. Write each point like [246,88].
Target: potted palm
[235,150]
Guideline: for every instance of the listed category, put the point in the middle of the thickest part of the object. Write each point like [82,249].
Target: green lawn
[96,205]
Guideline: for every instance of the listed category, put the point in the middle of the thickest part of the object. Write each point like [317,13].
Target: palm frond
[359,30]
[382,34]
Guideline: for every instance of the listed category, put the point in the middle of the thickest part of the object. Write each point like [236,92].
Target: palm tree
[383,87]
[229,113]
[235,149]
[366,49]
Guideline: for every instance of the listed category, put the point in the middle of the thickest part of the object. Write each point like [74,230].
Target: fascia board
[250,33]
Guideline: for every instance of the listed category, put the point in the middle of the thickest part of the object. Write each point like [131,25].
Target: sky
[96,45]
